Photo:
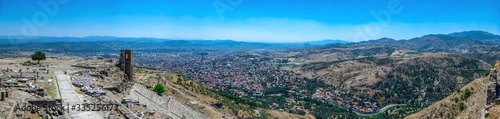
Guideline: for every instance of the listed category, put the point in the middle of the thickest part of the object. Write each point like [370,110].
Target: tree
[38,55]
[159,88]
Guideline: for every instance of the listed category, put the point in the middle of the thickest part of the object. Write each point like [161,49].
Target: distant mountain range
[171,45]
[478,35]
[51,39]
[428,43]
[326,41]
[476,44]
[472,35]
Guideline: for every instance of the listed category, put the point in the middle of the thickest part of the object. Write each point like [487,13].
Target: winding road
[381,110]
[369,114]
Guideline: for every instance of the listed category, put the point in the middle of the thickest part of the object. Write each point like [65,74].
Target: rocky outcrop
[493,91]
[482,102]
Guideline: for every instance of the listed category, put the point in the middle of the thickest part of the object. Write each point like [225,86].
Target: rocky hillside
[204,100]
[449,106]
[326,54]
[466,103]
[427,78]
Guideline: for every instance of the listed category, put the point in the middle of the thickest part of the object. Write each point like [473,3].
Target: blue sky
[248,20]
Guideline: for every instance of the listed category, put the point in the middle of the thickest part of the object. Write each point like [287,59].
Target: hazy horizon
[252,21]
[318,40]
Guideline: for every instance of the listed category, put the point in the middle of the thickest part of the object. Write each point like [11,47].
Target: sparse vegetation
[461,106]
[487,73]
[225,100]
[455,99]
[466,94]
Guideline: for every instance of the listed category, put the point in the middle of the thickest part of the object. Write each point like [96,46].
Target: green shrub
[461,106]
[455,99]
[159,88]
[466,94]
[487,73]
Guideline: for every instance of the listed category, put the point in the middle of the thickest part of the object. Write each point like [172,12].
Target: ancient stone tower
[126,63]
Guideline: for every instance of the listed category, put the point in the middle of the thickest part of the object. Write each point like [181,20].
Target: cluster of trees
[240,100]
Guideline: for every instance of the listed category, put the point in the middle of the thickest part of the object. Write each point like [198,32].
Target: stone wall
[492,88]
[181,111]
[152,100]
[493,91]
[163,104]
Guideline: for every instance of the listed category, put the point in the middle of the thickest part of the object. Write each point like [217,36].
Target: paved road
[69,96]
[381,110]
[371,114]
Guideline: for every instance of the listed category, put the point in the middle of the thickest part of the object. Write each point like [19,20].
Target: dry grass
[284,115]
[189,94]
[448,108]
[475,104]
[151,77]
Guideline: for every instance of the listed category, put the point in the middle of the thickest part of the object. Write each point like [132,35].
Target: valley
[364,79]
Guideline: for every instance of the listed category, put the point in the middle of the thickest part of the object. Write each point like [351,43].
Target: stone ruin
[493,90]
[92,91]
[106,74]
[86,84]
[4,93]
[82,81]
[20,81]
[163,104]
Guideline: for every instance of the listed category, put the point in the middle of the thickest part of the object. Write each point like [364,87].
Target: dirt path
[70,97]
